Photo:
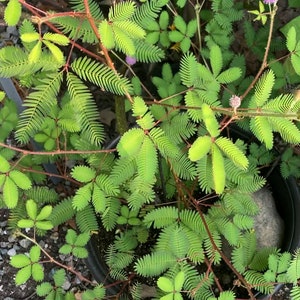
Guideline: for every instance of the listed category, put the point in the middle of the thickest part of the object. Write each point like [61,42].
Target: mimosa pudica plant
[175,181]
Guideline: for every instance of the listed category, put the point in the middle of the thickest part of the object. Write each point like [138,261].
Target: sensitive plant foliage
[177,183]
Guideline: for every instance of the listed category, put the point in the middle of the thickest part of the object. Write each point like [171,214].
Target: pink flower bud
[235,101]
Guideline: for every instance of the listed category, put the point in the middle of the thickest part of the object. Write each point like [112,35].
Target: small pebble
[12,252]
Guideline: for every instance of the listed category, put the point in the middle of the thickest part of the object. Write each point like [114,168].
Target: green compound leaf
[180,24]
[218,168]
[233,152]
[31,208]
[291,39]
[44,213]
[59,277]
[165,284]
[12,12]
[37,272]
[30,37]
[139,107]
[56,52]
[261,128]
[216,59]
[44,225]
[4,165]
[10,193]
[20,261]
[35,253]
[83,173]
[121,11]
[35,53]
[25,223]
[23,275]
[56,38]
[210,120]
[71,236]
[263,88]
[179,280]
[200,148]
[106,34]
[20,179]
[131,142]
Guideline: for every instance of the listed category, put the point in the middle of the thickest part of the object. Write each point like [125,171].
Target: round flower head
[130,60]
[235,101]
[270,1]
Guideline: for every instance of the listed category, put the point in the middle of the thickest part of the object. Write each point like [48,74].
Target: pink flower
[235,101]
[270,1]
[130,60]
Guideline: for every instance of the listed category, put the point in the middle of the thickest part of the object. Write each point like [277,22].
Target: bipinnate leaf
[218,169]
[23,275]
[43,289]
[10,193]
[130,142]
[80,252]
[12,12]
[262,129]
[233,152]
[293,272]
[83,173]
[165,284]
[20,179]
[20,261]
[121,11]
[200,148]
[4,165]
[65,249]
[59,277]
[139,107]
[31,208]
[82,239]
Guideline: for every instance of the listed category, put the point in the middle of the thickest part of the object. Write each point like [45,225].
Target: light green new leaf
[20,179]
[106,34]
[180,24]
[56,38]
[218,168]
[4,165]
[165,284]
[29,37]
[216,59]
[233,152]
[25,223]
[31,208]
[37,272]
[139,107]
[35,53]
[130,142]
[123,41]
[44,225]
[200,148]
[44,213]
[291,39]
[20,261]
[83,173]
[35,253]
[295,60]
[23,275]
[12,12]
[56,52]
[10,193]
[179,280]
[132,30]
[210,120]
